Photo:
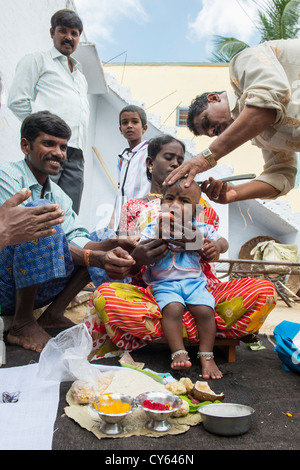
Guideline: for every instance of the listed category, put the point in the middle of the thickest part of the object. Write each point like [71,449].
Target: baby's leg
[172,329]
[206,326]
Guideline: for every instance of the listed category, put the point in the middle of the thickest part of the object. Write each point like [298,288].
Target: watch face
[206,153]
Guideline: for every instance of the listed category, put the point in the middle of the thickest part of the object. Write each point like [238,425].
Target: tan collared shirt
[268,76]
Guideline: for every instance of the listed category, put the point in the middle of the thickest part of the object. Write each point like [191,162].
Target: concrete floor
[281,312]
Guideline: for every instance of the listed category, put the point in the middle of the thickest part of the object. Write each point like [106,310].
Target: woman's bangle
[215,258]
[87,257]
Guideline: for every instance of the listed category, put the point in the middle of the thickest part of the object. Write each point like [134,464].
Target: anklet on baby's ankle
[177,353]
[208,355]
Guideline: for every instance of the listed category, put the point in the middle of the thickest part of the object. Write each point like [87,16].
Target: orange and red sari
[126,316]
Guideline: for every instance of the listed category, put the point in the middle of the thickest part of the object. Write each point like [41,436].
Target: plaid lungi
[46,262]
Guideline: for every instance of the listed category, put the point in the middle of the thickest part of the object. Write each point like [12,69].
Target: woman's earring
[150,169]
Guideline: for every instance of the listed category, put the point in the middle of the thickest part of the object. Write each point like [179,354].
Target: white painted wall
[249,219]
[25,27]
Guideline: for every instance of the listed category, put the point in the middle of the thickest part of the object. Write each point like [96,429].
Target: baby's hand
[209,251]
[165,225]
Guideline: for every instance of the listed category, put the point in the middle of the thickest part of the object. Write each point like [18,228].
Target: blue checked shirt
[15,176]
[43,81]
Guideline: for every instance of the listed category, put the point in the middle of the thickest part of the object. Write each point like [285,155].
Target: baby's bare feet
[180,360]
[210,369]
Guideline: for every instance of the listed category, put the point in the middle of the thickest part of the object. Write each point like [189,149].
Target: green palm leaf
[279,20]
[226,48]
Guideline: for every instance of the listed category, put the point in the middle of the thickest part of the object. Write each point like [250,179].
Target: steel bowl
[112,423]
[226,419]
[159,419]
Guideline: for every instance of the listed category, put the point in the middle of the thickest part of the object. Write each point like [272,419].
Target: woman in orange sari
[126,316]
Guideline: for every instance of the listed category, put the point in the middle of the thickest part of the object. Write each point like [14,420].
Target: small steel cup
[111,424]
[159,419]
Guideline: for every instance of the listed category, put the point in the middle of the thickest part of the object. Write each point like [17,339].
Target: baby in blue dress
[178,281]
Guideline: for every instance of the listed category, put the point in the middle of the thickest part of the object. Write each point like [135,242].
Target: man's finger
[49,223]
[120,257]
[44,233]
[175,175]
[44,209]
[17,198]
[190,178]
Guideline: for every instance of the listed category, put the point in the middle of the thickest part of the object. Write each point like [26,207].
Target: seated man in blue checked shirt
[50,270]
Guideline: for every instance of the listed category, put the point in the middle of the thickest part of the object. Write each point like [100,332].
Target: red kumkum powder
[152,405]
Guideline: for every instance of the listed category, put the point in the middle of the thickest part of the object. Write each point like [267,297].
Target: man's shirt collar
[55,54]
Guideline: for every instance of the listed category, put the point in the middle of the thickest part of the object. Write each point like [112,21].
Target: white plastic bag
[65,357]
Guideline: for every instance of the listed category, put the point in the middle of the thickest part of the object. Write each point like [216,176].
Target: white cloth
[43,81]
[29,423]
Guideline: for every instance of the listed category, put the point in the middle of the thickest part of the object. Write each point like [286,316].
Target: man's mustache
[67,41]
[54,158]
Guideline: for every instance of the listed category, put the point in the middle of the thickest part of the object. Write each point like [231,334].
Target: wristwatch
[208,156]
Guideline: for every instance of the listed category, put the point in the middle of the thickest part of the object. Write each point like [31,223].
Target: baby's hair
[180,183]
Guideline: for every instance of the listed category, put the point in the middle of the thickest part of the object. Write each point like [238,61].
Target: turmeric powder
[109,405]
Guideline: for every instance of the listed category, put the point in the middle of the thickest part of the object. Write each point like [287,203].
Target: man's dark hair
[46,122]
[66,18]
[131,108]
[198,105]
[155,145]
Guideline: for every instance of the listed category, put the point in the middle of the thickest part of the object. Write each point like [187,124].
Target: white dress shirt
[132,177]
[43,81]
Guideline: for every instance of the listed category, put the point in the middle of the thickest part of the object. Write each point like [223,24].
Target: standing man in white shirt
[53,81]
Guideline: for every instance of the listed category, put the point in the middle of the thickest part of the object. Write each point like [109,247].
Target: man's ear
[145,127]
[25,146]
[51,32]
[213,97]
